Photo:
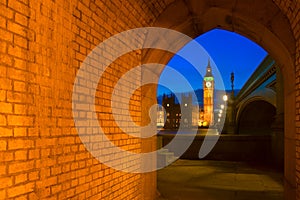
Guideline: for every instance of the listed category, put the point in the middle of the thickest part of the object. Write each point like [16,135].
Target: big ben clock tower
[208,96]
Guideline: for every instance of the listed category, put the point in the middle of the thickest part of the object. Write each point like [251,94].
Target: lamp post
[223,107]
[222,113]
[229,125]
[225,98]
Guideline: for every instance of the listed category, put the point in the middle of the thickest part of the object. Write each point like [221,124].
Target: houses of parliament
[184,113]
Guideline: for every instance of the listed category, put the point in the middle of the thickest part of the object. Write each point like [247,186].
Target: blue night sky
[228,51]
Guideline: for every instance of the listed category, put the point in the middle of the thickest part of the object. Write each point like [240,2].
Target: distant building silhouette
[183,114]
[173,112]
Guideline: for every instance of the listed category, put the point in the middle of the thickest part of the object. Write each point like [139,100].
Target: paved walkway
[218,180]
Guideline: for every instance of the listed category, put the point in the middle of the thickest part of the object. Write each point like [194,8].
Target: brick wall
[42,45]
[292,10]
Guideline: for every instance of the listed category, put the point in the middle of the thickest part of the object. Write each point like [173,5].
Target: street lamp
[225,98]
[222,117]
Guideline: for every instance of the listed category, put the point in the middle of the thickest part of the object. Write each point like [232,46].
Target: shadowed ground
[218,180]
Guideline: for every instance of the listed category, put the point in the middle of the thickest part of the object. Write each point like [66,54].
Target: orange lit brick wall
[42,44]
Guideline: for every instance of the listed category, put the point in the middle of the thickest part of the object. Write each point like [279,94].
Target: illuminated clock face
[208,84]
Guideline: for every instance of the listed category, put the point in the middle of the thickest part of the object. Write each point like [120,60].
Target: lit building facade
[160,117]
[208,96]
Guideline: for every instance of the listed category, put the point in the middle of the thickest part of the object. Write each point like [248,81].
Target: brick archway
[262,22]
[43,43]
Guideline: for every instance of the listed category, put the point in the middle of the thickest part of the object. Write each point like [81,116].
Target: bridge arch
[256,117]
[267,95]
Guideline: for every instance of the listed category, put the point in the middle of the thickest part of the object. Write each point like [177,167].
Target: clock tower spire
[208,96]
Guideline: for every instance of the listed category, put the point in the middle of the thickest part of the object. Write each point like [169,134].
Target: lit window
[168,105]
[185,105]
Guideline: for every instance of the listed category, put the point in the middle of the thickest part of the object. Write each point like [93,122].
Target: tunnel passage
[43,44]
[257,118]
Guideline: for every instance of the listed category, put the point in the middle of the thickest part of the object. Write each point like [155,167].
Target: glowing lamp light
[225,98]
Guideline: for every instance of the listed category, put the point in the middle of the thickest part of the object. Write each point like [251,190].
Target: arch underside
[260,21]
[264,23]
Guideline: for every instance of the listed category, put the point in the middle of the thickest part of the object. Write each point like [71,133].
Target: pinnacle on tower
[208,69]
